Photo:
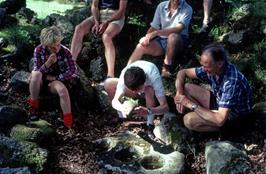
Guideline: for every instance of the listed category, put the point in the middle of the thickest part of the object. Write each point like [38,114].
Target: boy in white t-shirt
[139,77]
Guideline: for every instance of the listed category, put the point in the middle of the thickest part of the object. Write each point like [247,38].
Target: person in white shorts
[108,20]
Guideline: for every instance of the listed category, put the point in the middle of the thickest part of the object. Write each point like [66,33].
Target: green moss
[44,127]
[23,133]
[21,34]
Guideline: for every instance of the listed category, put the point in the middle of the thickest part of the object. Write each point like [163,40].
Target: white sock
[150,119]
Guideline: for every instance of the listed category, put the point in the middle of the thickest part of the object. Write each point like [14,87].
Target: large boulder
[16,153]
[36,131]
[129,153]
[12,115]
[20,81]
[172,132]
[226,157]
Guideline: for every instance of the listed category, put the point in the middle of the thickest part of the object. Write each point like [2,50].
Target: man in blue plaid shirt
[227,105]
[53,66]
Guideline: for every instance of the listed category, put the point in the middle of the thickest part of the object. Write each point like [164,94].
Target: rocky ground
[71,151]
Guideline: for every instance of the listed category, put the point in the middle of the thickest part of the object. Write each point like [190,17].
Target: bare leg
[198,94]
[150,102]
[111,31]
[174,45]
[153,49]
[207,5]
[35,84]
[80,31]
[57,87]
[110,87]
[194,122]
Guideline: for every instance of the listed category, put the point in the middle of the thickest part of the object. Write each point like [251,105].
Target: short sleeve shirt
[231,89]
[162,20]
[153,78]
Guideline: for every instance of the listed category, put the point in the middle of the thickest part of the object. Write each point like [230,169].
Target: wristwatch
[194,106]
[149,111]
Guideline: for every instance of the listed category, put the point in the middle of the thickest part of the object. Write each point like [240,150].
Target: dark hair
[134,77]
[216,51]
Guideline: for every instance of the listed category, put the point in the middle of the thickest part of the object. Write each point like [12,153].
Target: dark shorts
[45,87]
[235,122]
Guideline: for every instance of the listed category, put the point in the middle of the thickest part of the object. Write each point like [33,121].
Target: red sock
[34,103]
[68,120]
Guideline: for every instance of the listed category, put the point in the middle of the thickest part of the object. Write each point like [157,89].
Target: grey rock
[129,153]
[226,157]
[12,115]
[97,69]
[173,133]
[19,170]
[16,153]
[20,81]
[236,38]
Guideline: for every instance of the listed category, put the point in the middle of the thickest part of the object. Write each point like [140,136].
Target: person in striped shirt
[53,67]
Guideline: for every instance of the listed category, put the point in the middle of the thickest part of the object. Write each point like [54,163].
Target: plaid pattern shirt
[231,89]
[63,69]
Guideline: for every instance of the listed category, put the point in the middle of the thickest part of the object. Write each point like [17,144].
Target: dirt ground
[71,151]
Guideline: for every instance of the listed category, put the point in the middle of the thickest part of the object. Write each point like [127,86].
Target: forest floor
[71,151]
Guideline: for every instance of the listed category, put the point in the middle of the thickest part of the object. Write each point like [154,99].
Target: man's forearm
[180,80]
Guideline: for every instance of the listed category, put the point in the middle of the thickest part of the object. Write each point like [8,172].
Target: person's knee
[107,38]
[174,38]
[63,92]
[109,86]
[188,122]
[36,76]
[188,88]
[140,48]
[79,30]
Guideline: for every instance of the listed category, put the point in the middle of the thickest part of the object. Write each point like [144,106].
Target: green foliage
[18,34]
[259,9]
[136,20]
[250,65]
[218,31]
[50,6]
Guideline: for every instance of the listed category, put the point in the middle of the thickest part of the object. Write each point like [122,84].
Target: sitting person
[229,103]
[138,77]
[53,66]
[168,33]
[107,19]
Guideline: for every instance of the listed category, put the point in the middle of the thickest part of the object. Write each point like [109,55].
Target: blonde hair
[50,36]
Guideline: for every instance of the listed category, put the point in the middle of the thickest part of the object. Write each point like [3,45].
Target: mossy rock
[24,133]
[15,153]
[260,108]
[44,127]
[37,131]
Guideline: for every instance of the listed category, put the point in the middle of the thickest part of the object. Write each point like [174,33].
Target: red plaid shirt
[63,69]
